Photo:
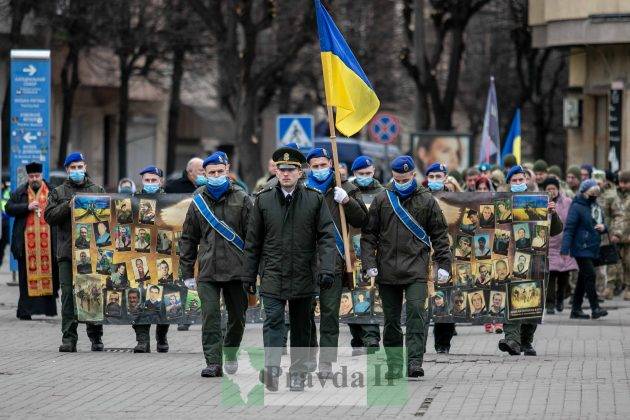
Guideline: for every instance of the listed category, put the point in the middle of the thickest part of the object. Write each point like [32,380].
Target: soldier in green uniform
[364,335]
[152,181]
[620,232]
[519,335]
[219,249]
[322,179]
[59,213]
[289,229]
[398,253]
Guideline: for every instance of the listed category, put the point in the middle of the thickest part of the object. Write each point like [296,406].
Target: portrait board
[91,209]
[528,208]
[124,212]
[451,149]
[525,300]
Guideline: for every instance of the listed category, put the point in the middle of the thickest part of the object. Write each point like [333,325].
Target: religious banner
[499,243]
[37,240]
[126,259]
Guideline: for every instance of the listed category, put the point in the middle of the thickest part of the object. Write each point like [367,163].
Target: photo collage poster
[126,259]
[499,243]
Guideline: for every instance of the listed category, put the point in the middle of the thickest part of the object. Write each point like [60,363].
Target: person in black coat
[19,207]
[192,178]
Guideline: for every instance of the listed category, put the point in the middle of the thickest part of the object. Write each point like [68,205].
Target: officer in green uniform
[364,335]
[289,229]
[59,213]
[398,255]
[322,179]
[519,335]
[219,250]
[152,181]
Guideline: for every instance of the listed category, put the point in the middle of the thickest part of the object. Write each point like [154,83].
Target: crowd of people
[284,243]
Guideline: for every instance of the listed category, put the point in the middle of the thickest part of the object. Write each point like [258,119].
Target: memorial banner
[126,259]
[499,243]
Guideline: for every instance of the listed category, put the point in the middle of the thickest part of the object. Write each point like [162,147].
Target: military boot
[68,348]
[142,347]
[296,383]
[393,372]
[162,344]
[414,369]
[269,376]
[97,344]
[510,346]
[212,371]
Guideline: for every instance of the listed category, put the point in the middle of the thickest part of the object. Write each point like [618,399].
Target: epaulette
[307,187]
[264,190]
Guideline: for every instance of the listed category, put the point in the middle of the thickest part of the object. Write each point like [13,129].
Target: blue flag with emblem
[407,220]
[219,226]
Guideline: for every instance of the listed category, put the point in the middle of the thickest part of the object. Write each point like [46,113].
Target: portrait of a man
[521,265]
[522,238]
[477,304]
[133,301]
[123,238]
[486,219]
[113,307]
[143,240]
[460,304]
[482,250]
[448,148]
[463,250]
[146,215]
[101,233]
[140,271]
[82,240]
[123,211]
[165,273]
[497,304]
[345,307]
[84,263]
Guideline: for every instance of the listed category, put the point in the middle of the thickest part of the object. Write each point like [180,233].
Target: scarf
[321,186]
[217,192]
[37,246]
[403,194]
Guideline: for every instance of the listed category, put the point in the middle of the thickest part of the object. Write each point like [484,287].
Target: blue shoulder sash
[219,226]
[407,220]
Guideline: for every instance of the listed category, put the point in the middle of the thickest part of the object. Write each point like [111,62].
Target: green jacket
[355,210]
[59,212]
[386,244]
[283,242]
[368,193]
[219,260]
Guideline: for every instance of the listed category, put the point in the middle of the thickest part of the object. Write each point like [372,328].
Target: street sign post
[298,128]
[30,114]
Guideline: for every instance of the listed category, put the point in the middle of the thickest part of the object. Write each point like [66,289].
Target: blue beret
[317,152]
[292,146]
[360,163]
[217,158]
[436,167]
[223,155]
[403,164]
[73,157]
[484,167]
[518,169]
[587,184]
[152,170]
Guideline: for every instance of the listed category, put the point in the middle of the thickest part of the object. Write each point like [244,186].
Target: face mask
[125,190]
[364,181]
[150,188]
[518,187]
[436,185]
[403,186]
[320,174]
[77,176]
[216,182]
[201,180]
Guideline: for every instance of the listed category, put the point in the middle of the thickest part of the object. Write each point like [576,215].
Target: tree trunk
[69,85]
[249,156]
[123,114]
[174,107]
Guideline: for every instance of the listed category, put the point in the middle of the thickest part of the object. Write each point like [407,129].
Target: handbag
[608,254]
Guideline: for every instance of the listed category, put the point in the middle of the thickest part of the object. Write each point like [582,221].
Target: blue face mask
[201,180]
[125,190]
[216,182]
[404,186]
[320,174]
[77,176]
[150,188]
[518,187]
[364,181]
[436,185]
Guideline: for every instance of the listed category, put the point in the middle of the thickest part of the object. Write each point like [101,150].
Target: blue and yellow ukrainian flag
[512,143]
[346,85]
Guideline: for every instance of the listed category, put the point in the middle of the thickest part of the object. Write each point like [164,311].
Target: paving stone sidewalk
[582,371]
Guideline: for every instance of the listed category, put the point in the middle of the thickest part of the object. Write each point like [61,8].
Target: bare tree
[438,83]
[254,48]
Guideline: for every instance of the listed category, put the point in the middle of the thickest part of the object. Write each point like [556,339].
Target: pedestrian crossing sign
[296,129]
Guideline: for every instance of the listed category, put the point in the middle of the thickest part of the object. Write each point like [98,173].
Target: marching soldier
[365,335]
[152,180]
[59,213]
[519,335]
[289,227]
[213,233]
[322,179]
[442,331]
[405,222]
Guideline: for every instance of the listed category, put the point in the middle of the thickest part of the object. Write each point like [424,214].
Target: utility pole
[418,40]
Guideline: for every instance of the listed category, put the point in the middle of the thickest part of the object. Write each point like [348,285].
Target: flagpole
[342,214]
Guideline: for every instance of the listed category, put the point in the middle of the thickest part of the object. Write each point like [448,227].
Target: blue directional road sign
[297,129]
[30,112]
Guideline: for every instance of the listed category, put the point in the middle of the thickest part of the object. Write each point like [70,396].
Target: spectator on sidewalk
[192,178]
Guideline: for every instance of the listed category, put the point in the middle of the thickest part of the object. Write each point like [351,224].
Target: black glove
[325,281]
[250,287]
